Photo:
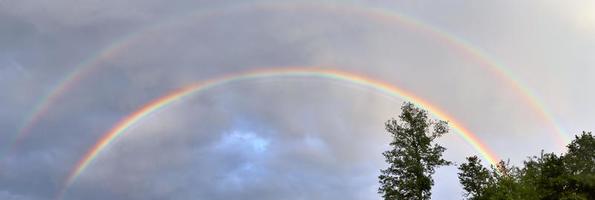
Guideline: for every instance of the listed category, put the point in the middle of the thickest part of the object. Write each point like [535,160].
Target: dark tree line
[414,156]
[547,176]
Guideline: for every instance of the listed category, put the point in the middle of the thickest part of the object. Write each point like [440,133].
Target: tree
[580,166]
[505,184]
[581,154]
[475,178]
[533,178]
[413,156]
[549,176]
[568,176]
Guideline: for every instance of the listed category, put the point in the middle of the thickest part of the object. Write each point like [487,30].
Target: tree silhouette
[549,176]
[475,178]
[413,156]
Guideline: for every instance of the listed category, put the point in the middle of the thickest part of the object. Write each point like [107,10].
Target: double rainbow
[382,15]
[379,14]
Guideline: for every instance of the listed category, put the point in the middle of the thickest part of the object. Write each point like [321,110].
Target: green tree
[580,167]
[413,156]
[475,178]
[569,176]
[506,184]
[549,176]
[532,179]
[581,154]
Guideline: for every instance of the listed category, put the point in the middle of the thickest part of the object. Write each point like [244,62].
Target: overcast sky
[278,138]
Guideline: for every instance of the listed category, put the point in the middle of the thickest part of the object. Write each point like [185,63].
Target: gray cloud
[275,138]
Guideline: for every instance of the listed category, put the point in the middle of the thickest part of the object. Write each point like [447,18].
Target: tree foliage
[475,178]
[413,156]
[549,176]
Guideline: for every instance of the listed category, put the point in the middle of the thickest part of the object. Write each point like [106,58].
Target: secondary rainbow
[127,122]
[55,93]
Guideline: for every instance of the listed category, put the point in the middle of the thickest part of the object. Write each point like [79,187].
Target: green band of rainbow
[164,101]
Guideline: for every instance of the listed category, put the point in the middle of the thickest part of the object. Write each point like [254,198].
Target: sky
[517,74]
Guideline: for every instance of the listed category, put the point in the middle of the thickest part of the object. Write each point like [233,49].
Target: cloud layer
[275,138]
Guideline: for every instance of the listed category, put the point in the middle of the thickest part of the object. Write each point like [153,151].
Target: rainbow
[380,14]
[162,102]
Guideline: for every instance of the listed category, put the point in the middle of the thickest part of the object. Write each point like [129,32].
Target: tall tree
[475,178]
[413,156]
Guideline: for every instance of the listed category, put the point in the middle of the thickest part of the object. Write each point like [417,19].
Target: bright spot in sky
[591,15]
[244,139]
[314,142]
[586,16]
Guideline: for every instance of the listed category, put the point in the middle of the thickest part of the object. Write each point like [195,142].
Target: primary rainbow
[162,102]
